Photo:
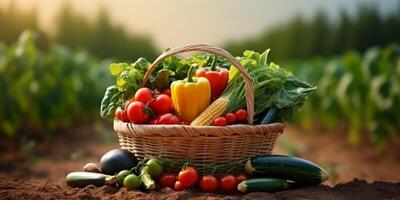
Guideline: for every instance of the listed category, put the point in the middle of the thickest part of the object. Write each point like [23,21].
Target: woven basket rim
[193,131]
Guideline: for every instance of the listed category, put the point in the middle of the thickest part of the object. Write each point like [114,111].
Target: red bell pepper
[217,76]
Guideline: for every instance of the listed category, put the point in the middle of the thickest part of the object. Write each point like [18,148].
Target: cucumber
[295,169]
[262,185]
[83,179]
[271,116]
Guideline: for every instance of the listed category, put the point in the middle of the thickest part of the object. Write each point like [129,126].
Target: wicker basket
[200,144]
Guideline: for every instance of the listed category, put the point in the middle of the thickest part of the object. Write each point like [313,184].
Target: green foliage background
[42,91]
[361,91]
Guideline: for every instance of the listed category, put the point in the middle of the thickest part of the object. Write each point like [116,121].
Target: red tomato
[179,186]
[240,178]
[220,121]
[166,92]
[167,180]
[231,118]
[228,183]
[185,123]
[188,177]
[154,121]
[121,115]
[127,102]
[161,104]
[144,95]
[201,73]
[241,114]
[136,112]
[167,118]
[208,184]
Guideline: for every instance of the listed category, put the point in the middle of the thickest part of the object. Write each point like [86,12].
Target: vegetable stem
[190,73]
[213,67]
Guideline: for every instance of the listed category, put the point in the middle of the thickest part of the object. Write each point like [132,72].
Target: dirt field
[36,170]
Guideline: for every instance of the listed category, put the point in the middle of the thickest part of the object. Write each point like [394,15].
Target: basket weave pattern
[200,144]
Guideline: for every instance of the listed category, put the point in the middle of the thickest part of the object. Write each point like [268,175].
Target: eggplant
[116,160]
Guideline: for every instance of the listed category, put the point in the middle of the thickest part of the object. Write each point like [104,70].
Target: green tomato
[132,182]
[121,176]
[153,168]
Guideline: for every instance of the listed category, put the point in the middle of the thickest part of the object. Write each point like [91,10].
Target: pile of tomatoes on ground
[189,178]
[156,107]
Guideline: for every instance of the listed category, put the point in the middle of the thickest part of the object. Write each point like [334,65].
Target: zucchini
[263,185]
[295,169]
[271,116]
[83,179]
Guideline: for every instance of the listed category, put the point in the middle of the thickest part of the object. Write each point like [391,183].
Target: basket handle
[249,92]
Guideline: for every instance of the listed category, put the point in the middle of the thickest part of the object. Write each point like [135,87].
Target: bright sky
[175,22]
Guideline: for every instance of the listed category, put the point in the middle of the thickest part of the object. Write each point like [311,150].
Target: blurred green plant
[43,91]
[363,91]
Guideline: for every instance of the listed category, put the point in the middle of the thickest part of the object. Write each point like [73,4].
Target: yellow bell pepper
[190,96]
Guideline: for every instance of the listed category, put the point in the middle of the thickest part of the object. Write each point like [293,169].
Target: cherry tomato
[185,123]
[228,183]
[137,113]
[167,180]
[127,102]
[240,178]
[161,104]
[154,121]
[241,114]
[231,118]
[208,184]
[166,92]
[220,121]
[188,177]
[144,95]
[179,186]
[167,118]
[121,115]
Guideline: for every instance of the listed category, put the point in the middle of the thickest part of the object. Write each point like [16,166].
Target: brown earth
[31,170]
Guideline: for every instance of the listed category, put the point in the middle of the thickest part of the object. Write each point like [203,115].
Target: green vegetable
[290,97]
[273,87]
[262,185]
[128,79]
[295,169]
[110,102]
[121,176]
[154,168]
[132,182]
[146,179]
[162,79]
[83,179]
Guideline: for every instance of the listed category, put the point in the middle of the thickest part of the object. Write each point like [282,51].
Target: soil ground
[30,170]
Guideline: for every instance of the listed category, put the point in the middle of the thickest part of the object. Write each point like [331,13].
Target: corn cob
[214,110]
